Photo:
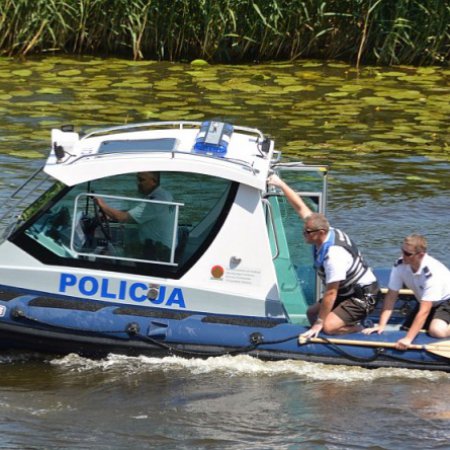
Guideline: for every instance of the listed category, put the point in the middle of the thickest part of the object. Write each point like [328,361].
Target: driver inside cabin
[154,220]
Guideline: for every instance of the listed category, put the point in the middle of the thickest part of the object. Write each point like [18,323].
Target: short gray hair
[318,221]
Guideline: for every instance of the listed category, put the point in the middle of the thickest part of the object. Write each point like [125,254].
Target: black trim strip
[52,302]
[244,321]
[6,296]
[162,314]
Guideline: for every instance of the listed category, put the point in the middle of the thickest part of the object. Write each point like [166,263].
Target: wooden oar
[401,291]
[438,348]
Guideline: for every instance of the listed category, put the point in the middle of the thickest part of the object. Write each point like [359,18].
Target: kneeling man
[429,279]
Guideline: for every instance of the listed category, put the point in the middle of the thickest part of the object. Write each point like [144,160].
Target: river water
[385,134]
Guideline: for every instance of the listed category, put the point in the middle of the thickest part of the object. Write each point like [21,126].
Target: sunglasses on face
[409,253]
[305,231]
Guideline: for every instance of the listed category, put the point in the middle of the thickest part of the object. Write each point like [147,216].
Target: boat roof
[157,146]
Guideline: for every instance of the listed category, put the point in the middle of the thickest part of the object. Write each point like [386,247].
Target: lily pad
[337,94]
[22,72]
[406,94]
[69,72]
[376,101]
[312,64]
[299,88]
[49,90]
[199,62]
[417,140]
[22,93]
[301,123]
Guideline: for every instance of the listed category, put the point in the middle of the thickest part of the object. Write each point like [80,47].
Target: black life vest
[356,270]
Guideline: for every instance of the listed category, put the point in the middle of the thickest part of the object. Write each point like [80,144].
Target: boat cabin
[210,238]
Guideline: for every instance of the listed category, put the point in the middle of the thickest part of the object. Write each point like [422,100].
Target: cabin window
[163,233]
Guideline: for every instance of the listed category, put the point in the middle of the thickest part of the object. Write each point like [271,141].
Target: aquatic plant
[359,31]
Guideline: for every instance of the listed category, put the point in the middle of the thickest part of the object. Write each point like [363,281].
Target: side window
[293,257]
[149,233]
[163,232]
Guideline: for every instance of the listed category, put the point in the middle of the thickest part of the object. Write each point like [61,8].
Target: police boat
[209,263]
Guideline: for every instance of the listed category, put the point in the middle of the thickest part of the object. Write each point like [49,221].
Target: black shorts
[441,311]
[351,311]
[355,308]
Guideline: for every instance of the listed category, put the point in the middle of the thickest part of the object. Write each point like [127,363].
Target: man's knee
[333,324]
[439,329]
[329,329]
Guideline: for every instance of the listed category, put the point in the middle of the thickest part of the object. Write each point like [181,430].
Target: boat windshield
[161,231]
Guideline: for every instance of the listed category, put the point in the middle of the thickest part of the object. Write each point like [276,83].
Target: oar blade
[441,348]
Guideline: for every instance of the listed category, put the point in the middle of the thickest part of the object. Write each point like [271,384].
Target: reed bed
[383,32]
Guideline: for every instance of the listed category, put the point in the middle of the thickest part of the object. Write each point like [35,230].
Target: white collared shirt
[431,282]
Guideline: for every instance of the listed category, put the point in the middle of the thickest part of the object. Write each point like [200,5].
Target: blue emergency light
[213,138]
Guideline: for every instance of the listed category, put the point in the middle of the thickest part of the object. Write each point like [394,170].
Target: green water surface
[383,131]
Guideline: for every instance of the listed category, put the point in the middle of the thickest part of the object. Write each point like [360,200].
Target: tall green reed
[361,31]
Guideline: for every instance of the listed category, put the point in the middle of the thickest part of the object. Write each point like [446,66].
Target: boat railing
[240,162]
[276,157]
[180,124]
[34,186]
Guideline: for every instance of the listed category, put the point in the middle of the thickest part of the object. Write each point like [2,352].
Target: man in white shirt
[351,289]
[155,220]
[429,279]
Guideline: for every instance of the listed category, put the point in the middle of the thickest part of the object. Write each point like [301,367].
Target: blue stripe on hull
[135,331]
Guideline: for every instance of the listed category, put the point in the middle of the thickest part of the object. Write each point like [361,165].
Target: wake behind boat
[212,262]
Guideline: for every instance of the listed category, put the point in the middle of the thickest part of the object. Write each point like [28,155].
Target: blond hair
[417,241]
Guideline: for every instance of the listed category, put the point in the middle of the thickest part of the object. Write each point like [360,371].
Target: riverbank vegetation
[382,32]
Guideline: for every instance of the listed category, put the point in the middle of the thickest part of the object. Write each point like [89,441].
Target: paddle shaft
[441,348]
[359,343]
